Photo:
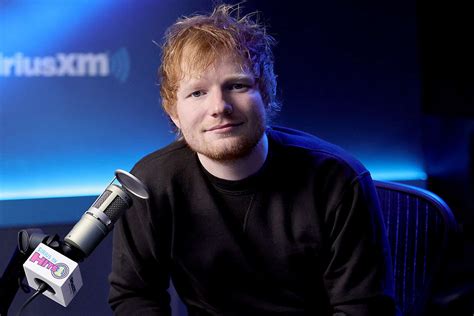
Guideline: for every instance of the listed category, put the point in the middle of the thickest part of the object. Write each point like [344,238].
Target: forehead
[194,64]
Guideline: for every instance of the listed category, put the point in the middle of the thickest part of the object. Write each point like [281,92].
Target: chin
[229,149]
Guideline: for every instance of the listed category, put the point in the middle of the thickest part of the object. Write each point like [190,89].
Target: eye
[238,86]
[197,94]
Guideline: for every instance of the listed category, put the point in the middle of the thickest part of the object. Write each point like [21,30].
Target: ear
[175,120]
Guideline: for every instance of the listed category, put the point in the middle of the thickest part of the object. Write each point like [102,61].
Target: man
[245,218]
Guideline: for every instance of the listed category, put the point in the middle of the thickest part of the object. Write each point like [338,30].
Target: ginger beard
[230,147]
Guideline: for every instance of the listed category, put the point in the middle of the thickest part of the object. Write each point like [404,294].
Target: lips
[222,127]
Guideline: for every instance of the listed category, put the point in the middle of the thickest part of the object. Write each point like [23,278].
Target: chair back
[418,225]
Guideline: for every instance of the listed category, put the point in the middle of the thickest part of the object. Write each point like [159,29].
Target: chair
[419,225]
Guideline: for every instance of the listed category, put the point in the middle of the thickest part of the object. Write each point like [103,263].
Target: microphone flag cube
[58,271]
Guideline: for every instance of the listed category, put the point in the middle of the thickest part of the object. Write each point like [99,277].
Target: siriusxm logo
[67,65]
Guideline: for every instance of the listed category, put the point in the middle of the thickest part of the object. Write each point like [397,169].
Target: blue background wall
[63,135]
[348,72]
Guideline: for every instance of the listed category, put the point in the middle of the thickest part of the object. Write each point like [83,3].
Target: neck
[240,168]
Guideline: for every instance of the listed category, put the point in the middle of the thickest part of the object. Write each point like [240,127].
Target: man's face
[220,111]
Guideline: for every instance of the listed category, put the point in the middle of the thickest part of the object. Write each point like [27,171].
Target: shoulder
[322,154]
[176,148]
[165,162]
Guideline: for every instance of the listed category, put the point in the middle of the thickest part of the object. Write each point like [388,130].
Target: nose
[220,105]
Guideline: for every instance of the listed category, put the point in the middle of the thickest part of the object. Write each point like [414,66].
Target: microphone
[59,269]
[100,218]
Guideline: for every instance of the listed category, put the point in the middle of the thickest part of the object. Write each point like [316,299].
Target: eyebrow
[195,83]
[242,76]
[246,78]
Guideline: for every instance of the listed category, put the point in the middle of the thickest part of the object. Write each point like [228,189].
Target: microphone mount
[13,276]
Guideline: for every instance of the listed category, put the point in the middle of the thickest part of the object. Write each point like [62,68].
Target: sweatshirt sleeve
[358,273]
[140,266]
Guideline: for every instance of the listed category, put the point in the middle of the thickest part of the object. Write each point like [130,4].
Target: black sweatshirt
[303,236]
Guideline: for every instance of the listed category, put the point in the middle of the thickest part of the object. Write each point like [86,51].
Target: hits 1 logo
[58,270]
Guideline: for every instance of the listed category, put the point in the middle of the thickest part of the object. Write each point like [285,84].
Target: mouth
[224,127]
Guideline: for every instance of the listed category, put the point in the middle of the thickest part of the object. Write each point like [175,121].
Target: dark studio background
[390,81]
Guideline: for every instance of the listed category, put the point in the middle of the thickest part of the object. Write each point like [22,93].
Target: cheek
[247,101]
[189,116]
[256,104]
